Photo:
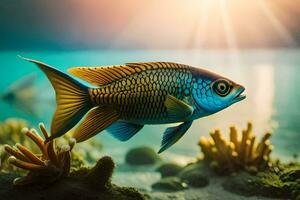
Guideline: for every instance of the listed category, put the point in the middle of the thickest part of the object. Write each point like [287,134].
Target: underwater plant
[227,156]
[52,164]
[10,130]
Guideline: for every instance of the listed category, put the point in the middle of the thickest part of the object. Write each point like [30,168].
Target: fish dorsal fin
[155,65]
[100,76]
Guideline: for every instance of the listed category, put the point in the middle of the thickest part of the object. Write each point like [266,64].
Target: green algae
[10,133]
[279,182]
[77,161]
[284,183]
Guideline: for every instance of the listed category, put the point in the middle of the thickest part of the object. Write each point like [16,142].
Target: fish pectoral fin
[173,134]
[123,131]
[177,109]
[96,121]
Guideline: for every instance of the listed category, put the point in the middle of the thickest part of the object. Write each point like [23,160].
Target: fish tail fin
[72,99]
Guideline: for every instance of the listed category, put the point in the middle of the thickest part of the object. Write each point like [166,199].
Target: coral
[52,164]
[90,150]
[142,156]
[227,156]
[60,172]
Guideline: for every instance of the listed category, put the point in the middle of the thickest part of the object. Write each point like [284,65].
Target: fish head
[214,93]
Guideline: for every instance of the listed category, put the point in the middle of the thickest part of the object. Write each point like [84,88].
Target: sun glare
[204,24]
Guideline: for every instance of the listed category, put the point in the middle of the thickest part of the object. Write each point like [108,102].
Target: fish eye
[222,87]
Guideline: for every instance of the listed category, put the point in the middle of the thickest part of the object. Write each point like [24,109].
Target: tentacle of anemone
[54,161]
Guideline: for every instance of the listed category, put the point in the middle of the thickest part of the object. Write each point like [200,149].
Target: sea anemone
[227,156]
[51,165]
[89,151]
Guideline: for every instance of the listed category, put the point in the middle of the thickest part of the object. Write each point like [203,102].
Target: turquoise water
[271,79]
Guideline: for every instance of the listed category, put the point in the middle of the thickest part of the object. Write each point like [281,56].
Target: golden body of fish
[140,95]
[126,97]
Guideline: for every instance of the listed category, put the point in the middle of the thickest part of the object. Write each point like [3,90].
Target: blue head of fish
[213,93]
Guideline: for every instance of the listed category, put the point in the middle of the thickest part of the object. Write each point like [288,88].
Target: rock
[69,188]
[169,169]
[170,184]
[199,166]
[99,176]
[196,174]
[142,156]
[195,179]
[241,184]
[284,184]
[94,183]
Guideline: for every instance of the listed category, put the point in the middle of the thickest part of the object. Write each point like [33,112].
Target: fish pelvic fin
[98,119]
[173,134]
[123,131]
[72,99]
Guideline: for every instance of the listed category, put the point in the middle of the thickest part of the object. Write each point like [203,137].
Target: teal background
[271,78]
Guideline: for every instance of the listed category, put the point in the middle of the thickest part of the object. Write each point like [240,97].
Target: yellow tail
[72,99]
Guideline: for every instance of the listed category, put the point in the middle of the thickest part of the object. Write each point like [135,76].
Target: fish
[125,98]
[26,96]
[21,94]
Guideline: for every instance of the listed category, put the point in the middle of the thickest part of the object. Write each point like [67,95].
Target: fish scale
[148,89]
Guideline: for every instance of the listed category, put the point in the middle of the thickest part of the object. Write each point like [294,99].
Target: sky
[145,24]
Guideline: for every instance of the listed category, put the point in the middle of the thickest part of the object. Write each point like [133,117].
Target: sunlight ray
[199,33]
[229,32]
[278,26]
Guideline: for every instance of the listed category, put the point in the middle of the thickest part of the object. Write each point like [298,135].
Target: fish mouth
[240,96]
